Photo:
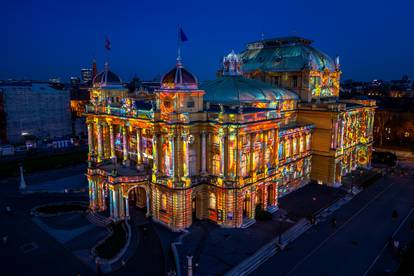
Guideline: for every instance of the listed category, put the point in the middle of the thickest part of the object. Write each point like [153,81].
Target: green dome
[234,90]
[284,55]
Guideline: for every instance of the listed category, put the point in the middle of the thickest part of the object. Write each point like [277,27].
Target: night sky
[44,39]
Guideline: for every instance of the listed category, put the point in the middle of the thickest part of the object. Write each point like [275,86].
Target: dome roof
[179,78]
[107,78]
[234,90]
[285,54]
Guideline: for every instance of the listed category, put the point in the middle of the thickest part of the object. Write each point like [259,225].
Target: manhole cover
[28,247]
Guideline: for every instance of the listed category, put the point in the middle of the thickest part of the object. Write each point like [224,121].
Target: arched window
[164,202]
[212,201]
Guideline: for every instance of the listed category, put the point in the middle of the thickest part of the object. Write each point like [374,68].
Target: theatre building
[217,151]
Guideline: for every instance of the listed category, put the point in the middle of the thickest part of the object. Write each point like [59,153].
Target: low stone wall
[106,264]
[401,154]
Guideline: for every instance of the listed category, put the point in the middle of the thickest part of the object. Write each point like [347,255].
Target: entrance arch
[138,197]
[247,206]
[196,205]
[271,196]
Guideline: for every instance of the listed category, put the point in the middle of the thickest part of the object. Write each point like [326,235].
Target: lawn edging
[35,212]
[106,264]
[175,251]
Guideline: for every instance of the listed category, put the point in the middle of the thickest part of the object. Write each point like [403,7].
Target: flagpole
[178,44]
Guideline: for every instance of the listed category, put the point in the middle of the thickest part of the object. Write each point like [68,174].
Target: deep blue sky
[43,39]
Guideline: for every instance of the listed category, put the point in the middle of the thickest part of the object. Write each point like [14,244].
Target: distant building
[32,110]
[86,75]
[74,81]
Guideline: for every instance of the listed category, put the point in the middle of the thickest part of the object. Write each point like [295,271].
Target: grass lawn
[60,208]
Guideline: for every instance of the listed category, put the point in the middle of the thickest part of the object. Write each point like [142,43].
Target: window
[287,148]
[190,104]
[295,81]
[216,164]
[212,201]
[167,104]
[163,202]
[276,80]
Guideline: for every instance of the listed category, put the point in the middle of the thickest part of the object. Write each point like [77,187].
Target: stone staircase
[97,219]
[295,231]
[247,222]
[249,264]
[272,209]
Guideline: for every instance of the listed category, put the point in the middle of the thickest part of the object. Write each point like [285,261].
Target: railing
[119,111]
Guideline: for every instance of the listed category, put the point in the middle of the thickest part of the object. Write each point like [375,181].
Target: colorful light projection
[324,83]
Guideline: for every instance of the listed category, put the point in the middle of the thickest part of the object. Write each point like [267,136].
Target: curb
[175,251]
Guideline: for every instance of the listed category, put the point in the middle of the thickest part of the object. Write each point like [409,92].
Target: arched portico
[137,195]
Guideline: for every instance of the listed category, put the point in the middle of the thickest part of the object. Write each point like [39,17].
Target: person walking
[394,214]
[334,222]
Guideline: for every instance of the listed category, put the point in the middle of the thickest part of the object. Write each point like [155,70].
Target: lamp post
[352,183]
[190,265]
[23,185]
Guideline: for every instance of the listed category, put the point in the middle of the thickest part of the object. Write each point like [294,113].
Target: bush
[261,214]
[112,245]
[61,208]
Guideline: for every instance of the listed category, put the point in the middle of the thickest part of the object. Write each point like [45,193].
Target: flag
[107,44]
[183,37]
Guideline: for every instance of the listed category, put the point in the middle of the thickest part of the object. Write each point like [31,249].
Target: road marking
[339,228]
[388,242]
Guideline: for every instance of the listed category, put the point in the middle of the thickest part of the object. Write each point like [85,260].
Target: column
[100,143]
[208,152]
[121,212]
[275,149]
[103,207]
[112,142]
[251,153]
[139,146]
[155,154]
[115,202]
[238,155]
[226,153]
[148,203]
[111,203]
[90,139]
[126,208]
[264,146]
[125,145]
[171,142]
[203,153]
[221,137]
[185,155]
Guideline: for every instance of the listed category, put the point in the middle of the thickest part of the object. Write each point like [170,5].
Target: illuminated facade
[343,135]
[214,152]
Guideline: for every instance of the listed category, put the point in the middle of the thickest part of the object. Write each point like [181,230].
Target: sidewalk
[62,185]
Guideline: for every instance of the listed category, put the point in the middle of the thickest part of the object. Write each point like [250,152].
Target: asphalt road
[358,243]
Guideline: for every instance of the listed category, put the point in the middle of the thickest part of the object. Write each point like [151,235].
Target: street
[355,246]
